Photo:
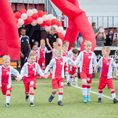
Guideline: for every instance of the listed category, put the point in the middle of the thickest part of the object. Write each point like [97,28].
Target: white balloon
[34,23]
[20,22]
[45,17]
[29,12]
[47,28]
[24,16]
[64,32]
[60,29]
[54,17]
[18,26]
[60,41]
[50,16]
[34,11]
[55,26]
[39,20]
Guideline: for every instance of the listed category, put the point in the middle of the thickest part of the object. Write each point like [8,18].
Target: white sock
[76,79]
[60,96]
[71,79]
[100,94]
[113,94]
[32,97]
[84,90]
[67,77]
[53,94]
[8,96]
[88,90]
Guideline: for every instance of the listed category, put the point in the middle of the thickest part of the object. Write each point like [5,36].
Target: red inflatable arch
[9,38]
[78,22]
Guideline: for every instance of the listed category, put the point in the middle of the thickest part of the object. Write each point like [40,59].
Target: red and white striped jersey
[58,66]
[71,63]
[5,75]
[65,54]
[63,21]
[53,53]
[30,70]
[106,67]
[85,60]
[37,53]
[42,52]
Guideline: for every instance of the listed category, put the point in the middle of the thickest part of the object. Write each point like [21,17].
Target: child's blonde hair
[55,43]
[87,43]
[59,49]
[6,57]
[42,41]
[106,48]
[32,54]
[65,42]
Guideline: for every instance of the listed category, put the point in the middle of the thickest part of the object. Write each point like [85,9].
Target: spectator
[95,29]
[50,39]
[63,21]
[109,38]
[25,46]
[100,38]
[115,38]
[79,40]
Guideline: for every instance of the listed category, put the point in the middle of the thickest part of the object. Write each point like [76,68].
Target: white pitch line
[93,92]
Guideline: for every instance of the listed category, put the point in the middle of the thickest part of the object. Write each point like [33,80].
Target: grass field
[72,100]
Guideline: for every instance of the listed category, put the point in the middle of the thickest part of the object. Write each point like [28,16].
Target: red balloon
[16,20]
[58,23]
[25,22]
[45,13]
[23,11]
[48,23]
[43,24]
[53,21]
[29,19]
[40,13]
[60,35]
[35,16]
[17,15]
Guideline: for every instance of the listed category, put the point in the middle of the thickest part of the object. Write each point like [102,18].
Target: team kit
[63,64]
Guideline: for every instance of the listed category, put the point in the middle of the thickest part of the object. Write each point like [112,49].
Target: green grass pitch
[72,100]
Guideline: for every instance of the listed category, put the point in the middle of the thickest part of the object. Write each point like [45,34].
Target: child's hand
[46,76]
[95,70]
[18,79]
[74,65]
[67,73]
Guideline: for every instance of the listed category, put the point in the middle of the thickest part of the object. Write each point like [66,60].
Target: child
[29,72]
[58,65]
[86,58]
[5,78]
[74,70]
[35,51]
[37,43]
[41,57]
[106,63]
[66,42]
[55,45]
[65,49]
[70,53]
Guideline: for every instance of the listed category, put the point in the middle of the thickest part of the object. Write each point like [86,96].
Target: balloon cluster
[45,20]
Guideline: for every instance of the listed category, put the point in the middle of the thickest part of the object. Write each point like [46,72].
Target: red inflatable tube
[9,38]
[79,18]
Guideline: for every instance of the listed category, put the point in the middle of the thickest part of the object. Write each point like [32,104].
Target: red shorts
[104,82]
[73,70]
[5,88]
[84,75]
[41,62]
[30,82]
[57,83]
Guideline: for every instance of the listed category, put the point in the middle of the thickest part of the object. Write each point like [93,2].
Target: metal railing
[50,9]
